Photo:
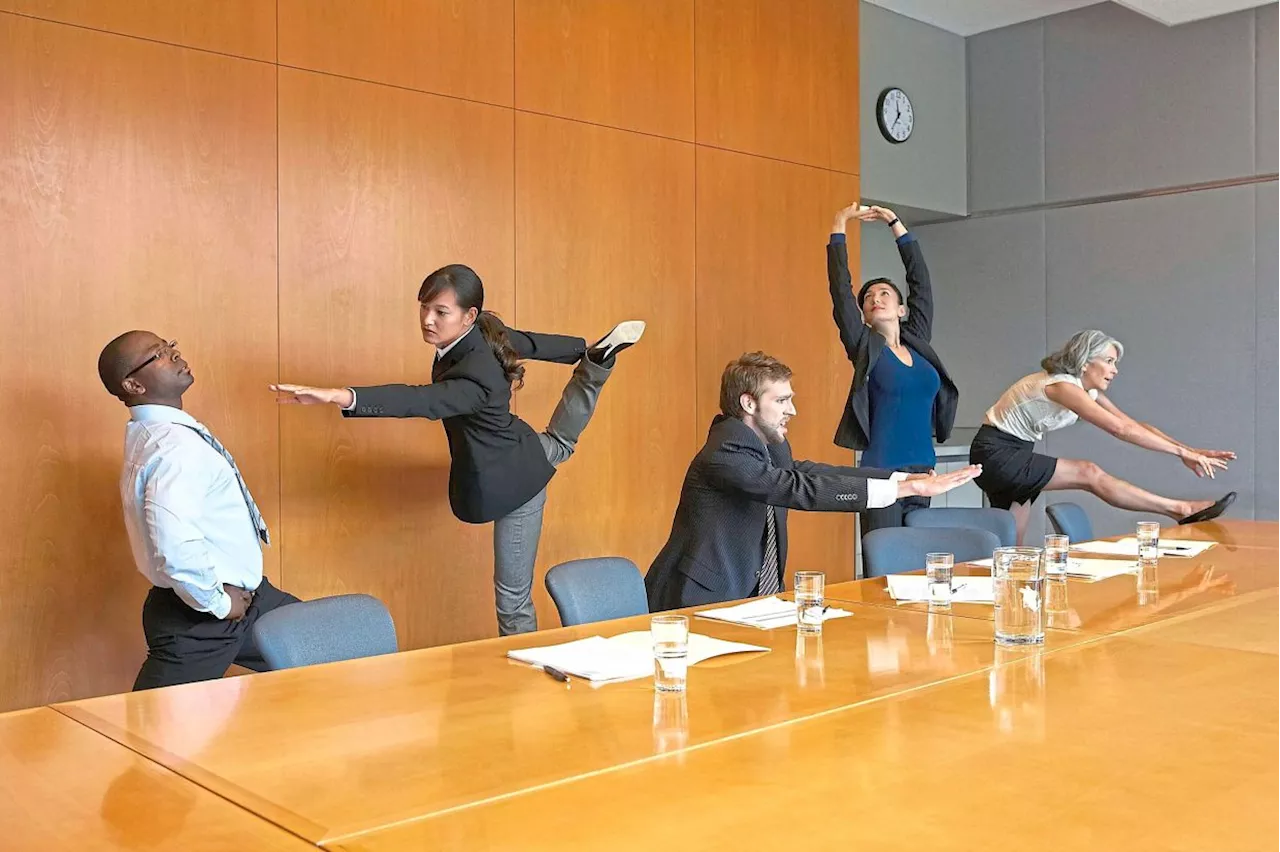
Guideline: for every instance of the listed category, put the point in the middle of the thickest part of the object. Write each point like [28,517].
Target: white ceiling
[1174,12]
[966,17]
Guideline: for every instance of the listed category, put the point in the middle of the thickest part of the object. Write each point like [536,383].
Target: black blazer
[716,546]
[864,346]
[497,461]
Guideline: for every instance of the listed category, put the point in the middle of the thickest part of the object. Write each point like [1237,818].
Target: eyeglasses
[166,349]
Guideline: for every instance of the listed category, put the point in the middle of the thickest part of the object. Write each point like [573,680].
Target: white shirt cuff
[352,406]
[882,492]
[222,607]
[897,476]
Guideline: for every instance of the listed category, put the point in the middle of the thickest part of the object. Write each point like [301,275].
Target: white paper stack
[914,588]
[624,657]
[1129,547]
[765,613]
[1099,569]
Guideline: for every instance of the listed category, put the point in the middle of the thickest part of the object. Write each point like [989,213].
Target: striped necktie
[254,515]
[770,581]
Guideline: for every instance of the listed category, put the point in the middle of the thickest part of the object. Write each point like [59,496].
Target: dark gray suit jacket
[716,546]
[497,463]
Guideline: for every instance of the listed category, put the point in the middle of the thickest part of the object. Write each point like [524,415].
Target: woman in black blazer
[499,466]
[901,397]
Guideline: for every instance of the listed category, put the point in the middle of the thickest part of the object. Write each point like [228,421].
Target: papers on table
[765,613]
[1099,569]
[1129,547]
[914,588]
[624,657]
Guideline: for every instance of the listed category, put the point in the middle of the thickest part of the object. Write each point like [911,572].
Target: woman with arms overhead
[901,397]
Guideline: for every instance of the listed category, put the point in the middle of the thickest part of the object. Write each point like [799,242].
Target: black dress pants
[185,646]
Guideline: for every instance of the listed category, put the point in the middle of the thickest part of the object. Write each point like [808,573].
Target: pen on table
[958,588]
[556,674]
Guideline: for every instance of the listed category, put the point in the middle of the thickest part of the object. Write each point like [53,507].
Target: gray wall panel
[988,279]
[1169,277]
[1265,119]
[1096,102]
[1133,104]
[928,170]
[1006,117]
[1265,461]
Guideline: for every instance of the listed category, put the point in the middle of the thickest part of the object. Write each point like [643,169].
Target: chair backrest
[325,630]
[1070,519]
[998,521]
[587,590]
[892,550]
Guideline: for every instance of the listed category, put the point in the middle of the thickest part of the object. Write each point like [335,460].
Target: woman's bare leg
[1021,515]
[1077,474]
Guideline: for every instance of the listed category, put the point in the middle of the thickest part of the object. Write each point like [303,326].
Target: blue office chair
[893,550]
[1069,519]
[998,521]
[325,630]
[587,590]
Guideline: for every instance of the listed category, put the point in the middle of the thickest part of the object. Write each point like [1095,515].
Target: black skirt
[1012,472]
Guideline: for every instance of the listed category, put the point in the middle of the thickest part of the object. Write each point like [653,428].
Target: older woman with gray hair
[1067,388]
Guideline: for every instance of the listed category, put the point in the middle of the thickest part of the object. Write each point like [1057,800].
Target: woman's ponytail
[495,334]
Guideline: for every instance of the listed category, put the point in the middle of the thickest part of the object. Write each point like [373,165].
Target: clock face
[894,115]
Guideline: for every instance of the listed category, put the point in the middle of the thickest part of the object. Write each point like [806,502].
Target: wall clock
[894,115]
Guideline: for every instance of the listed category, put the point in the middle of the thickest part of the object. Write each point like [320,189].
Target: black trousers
[185,646]
[893,515]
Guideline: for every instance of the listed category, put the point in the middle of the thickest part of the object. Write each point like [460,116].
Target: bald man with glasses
[194,528]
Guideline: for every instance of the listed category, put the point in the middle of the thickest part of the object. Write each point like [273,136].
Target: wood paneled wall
[269,180]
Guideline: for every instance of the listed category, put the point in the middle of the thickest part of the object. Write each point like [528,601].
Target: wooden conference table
[64,786]
[1146,720]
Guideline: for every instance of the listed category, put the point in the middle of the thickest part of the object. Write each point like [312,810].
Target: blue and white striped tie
[254,514]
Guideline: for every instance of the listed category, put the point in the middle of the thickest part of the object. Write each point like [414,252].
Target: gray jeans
[515,537]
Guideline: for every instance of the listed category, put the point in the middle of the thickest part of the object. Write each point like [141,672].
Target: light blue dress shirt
[188,523]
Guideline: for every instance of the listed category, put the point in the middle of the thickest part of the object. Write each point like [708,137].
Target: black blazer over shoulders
[864,346]
[716,546]
[497,460]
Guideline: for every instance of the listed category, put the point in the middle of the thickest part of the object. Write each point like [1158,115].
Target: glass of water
[937,567]
[810,587]
[1018,578]
[1148,542]
[1057,548]
[670,635]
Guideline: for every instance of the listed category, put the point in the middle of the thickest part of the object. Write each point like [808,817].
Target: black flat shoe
[1212,512]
